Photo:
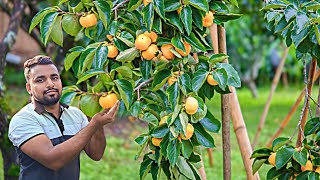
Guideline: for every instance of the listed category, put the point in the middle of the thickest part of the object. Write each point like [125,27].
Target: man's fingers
[114,109]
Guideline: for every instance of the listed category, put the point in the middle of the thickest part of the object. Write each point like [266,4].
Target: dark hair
[37,60]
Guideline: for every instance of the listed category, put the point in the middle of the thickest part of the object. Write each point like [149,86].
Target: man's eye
[39,80]
[55,78]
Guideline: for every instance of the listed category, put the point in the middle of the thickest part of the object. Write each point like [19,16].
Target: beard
[49,100]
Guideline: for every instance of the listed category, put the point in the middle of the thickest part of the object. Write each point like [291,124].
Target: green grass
[119,163]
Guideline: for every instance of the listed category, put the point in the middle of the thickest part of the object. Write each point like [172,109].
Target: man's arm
[41,149]
[96,146]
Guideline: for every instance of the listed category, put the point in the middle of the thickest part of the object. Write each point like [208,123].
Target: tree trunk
[8,153]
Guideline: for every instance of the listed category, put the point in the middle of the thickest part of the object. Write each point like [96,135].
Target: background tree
[298,23]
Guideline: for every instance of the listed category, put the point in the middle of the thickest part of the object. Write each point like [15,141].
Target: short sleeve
[85,121]
[23,128]
[83,118]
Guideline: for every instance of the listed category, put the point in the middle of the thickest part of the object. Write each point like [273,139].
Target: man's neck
[54,109]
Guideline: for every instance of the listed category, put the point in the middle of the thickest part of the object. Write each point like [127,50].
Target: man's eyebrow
[38,77]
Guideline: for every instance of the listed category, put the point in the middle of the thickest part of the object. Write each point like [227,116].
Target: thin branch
[120,4]
[314,101]
[142,84]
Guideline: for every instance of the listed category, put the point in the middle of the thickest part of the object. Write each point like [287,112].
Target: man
[49,136]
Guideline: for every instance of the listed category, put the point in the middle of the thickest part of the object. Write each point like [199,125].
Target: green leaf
[136,108]
[283,156]
[199,4]
[173,18]
[86,58]
[298,38]
[274,5]
[39,16]
[145,69]
[312,126]
[89,105]
[127,38]
[125,71]
[301,157]
[173,151]
[185,15]
[273,173]
[279,142]
[67,97]
[141,139]
[172,5]
[215,58]
[159,7]
[177,42]
[187,148]
[316,30]
[113,28]
[128,55]
[89,74]
[185,83]
[194,41]
[199,77]
[257,164]
[301,20]
[145,168]
[134,4]
[290,12]
[233,77]
[313,176]
[203,136]
[184,121]
[68,62]
[70,24]
[100,57]
[184,168]
[160,79]
[221,76]
[210,123]
[57,34]
[264,152]
[234,2]
[160,131]
[125,88]
[150,118]
[148,16]
[104,11]
[173,93]
[46,26]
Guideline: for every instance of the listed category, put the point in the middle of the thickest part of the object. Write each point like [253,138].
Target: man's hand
[106,116]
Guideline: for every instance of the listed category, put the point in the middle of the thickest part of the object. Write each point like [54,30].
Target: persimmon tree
[141,53]
[298,24]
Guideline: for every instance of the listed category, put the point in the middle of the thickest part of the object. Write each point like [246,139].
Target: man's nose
[50,83]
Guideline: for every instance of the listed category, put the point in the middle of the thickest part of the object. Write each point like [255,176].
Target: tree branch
[10,36]
[142,84]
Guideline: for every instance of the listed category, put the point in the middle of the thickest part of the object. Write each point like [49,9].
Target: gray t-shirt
[30,122]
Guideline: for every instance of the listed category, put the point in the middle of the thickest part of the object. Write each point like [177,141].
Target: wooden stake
[241,130]
[273,88]
[225,113]
[312,70]
[291,112]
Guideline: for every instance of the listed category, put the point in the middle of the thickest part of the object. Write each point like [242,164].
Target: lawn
[119,162]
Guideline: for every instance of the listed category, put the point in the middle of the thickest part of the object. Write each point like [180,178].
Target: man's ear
[28,88]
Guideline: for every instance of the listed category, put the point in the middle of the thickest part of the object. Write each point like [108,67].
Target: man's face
[44,84]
